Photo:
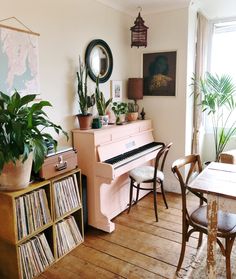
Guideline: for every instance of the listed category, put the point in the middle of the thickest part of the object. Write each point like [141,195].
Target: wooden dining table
[218,182]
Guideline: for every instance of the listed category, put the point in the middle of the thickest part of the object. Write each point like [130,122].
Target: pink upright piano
[106,156]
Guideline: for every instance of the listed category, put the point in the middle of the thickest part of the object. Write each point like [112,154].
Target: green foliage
[101,103]
[120,108]
[132,107]
[219,102]
[22,129]
[85,101]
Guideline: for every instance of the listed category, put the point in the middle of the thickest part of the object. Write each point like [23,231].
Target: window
[223,53]
[223,56]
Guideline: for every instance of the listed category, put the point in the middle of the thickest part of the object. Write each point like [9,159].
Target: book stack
[66,195]
[32,212]
[67,235]
[35,256]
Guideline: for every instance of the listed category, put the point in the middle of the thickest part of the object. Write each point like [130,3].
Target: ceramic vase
[16,176]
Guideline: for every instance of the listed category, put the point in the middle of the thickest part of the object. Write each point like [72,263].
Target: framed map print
[19,61]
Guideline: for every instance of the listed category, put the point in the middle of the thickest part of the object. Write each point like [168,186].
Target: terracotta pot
[85,121]
[16,176]
[132,116]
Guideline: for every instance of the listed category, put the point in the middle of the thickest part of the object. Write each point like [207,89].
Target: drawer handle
[61,164]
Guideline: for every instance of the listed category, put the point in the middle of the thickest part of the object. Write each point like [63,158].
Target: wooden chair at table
[197,220]
[150,174]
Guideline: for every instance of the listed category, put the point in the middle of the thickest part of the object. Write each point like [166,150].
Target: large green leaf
[27,99]
[22,128]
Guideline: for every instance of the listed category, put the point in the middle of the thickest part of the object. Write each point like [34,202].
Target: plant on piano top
[101,103]
[85,101]
[132,107]
[132,114]
[24,134]
[120,109]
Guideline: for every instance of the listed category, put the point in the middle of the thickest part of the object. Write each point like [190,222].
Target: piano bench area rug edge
[196,268]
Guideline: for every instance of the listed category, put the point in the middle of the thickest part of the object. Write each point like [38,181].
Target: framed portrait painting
[159,73]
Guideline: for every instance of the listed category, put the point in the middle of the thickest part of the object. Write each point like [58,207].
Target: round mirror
[98,58]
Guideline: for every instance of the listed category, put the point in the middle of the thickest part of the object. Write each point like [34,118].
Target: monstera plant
[24,135]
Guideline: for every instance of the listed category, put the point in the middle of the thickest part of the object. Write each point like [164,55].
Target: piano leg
[106,200]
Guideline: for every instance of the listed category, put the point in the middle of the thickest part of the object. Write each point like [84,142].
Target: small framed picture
[116,90]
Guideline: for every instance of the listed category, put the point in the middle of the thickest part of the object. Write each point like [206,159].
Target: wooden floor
[138,248]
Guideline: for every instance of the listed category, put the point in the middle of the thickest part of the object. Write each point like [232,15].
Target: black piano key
[130,153]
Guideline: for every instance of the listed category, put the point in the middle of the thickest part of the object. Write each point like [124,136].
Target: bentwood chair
[197,220]
[150,174]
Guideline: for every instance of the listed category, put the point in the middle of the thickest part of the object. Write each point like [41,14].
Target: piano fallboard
[115,148]
[111,172]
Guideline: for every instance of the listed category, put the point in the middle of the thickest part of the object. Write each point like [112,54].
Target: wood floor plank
[149,215]
[150,245]
[173,201]
[148,218]
[138,259]
[128,221]
[73,267]
[118,266]
[139,247]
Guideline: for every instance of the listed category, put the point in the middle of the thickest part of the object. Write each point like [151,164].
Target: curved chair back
[185,169]
[161,158]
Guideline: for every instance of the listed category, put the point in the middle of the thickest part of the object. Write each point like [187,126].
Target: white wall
[66,28]
[214,9]
[168,31]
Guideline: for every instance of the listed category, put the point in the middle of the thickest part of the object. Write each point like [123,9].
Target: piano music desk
[107,184]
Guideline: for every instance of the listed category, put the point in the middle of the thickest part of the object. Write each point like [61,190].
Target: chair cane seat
[145,173]
[226,221]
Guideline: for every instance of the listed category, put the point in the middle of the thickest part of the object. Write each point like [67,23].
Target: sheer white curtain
[203,35]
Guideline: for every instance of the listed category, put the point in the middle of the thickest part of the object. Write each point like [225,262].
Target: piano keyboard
[134,154]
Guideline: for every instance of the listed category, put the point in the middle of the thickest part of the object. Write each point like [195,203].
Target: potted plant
[102,104]
[120,109]
[85,101]
[132,114]
[23,138]
[218,100]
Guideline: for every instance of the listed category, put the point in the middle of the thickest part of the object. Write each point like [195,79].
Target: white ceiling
[211,8]
[148,6]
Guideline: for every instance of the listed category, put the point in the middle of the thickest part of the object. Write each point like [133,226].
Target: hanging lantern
[139,32]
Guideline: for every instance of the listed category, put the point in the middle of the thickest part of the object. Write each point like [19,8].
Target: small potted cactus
[132,114]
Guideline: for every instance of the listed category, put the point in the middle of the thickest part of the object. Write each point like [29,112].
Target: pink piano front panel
[108,190]
[107,151]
